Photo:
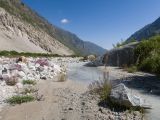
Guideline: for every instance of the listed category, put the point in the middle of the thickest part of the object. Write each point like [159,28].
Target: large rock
[97,62]
[122,95]
[120,56]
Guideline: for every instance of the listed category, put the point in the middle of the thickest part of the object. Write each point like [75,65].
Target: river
[80,73]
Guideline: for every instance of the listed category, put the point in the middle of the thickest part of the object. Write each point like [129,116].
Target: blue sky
[104,22]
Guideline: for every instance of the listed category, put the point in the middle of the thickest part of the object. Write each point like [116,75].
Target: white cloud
[64,21]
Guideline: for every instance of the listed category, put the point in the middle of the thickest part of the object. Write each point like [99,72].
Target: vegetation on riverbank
[130,69]
[122,43]
[30,82]
[101,88]
[147,55]
[28,54]
[20,99]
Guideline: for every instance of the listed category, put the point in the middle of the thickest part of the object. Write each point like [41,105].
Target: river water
[80,73]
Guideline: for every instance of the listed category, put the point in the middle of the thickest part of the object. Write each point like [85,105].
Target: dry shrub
[29,90]
[11,81]
[62,77]
[101,87]
[91,57]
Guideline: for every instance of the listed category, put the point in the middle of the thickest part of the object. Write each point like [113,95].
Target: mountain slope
[76,44]
[19,35]
[146,32]
[54,37]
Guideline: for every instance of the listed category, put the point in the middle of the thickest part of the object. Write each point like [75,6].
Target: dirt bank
[43,110]
[63,101]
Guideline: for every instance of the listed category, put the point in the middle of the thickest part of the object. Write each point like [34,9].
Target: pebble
[70,109]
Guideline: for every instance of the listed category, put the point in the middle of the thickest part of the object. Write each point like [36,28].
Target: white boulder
[122,95]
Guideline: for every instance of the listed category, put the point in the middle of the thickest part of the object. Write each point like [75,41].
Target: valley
[79,60]
[71,99]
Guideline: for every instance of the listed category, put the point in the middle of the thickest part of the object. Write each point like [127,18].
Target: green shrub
[147,54]
[151,64]
[122,43]
[20,99]
[27,54]
[30,82]
[132,69]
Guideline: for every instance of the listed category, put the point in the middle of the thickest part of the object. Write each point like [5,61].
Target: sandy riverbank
[48,109]
[63,101]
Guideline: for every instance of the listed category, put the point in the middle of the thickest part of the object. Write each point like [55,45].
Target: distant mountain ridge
[56,37]
[147,31]
[76,44]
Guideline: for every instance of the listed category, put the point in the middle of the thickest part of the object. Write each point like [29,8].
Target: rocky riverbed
[144,85]
[68,100]
[14,70]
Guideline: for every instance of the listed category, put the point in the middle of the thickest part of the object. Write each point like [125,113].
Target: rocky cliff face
[120,56]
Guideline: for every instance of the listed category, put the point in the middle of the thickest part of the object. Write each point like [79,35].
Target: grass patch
[101,88]
[132,69]
[29,82]
[26,54]
[20,99]
[29,90]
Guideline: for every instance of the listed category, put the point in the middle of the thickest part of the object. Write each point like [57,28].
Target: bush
[151,64]
[62,77]
[30,82]
[20,99]
[11,81]
[147,54]
[101,88]
[105,91]
[122,43]
[27,54]
[132,69]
